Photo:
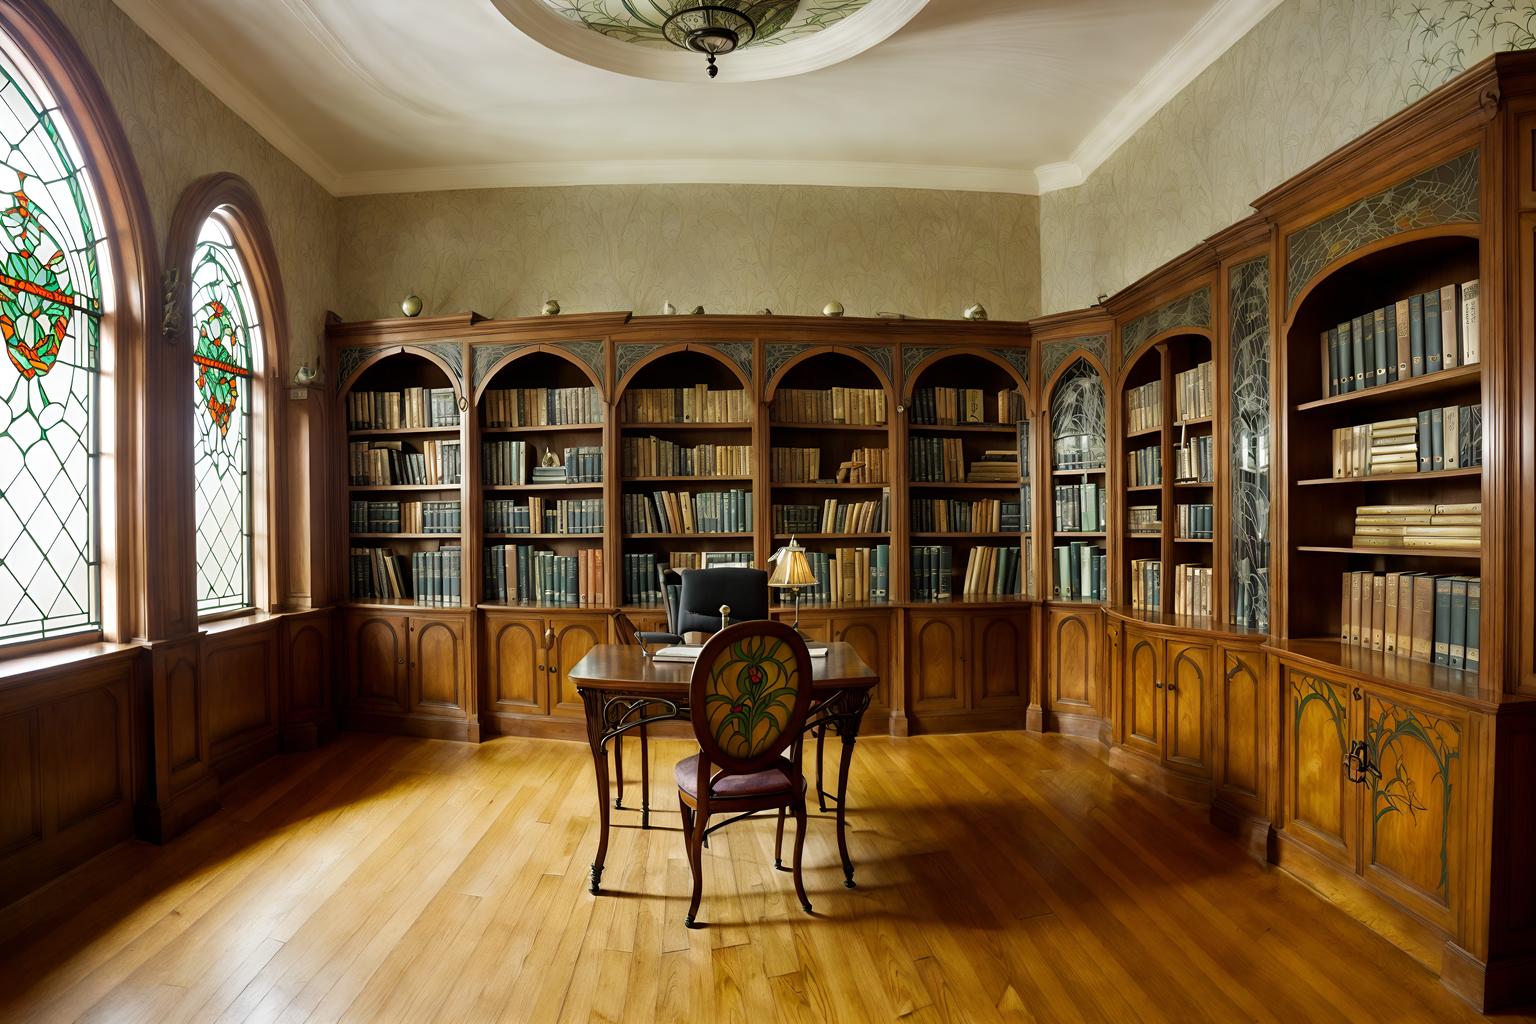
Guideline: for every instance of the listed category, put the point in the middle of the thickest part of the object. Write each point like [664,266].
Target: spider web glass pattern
[50,321]
[225,333]
[1249,301]
[1077,418]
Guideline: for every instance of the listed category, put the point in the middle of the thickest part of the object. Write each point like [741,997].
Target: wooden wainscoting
[239,666]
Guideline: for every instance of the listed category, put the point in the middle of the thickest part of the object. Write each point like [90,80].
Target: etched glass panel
[225,334]
[50,320]
[1077,418]
[1249,286]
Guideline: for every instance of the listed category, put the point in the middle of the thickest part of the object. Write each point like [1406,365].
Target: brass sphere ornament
[833,308]
[975,311]
[552,307]
[411,305]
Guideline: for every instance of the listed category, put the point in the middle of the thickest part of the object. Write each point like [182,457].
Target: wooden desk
[622,690]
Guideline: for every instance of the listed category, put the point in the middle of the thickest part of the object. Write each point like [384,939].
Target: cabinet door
[1142,693]
[1320,805]
[870,636]
[937,663]
[573,638]
[437,665]
[1414,809]
[1186,686]
[1239,764]
[376,654]
[1075,636]
[817,629]
[999,660]
[514,660]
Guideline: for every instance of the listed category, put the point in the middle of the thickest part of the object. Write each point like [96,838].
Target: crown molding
[1213,35]
[207,69]
[689,172]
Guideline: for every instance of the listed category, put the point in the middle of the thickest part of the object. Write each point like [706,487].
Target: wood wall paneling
[306,706]
[240,681]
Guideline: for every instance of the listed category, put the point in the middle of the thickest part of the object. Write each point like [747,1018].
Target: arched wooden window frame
[230,200]
[131,302]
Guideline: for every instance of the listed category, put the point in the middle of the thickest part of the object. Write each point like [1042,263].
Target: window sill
[232,622]
[23,668]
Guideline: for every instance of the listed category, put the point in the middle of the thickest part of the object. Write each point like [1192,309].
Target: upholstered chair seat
[725,786]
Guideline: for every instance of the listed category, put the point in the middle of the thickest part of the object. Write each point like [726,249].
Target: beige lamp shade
[791,568]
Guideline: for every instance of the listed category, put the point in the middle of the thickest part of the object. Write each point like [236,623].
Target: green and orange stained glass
[225,334]
[51,269]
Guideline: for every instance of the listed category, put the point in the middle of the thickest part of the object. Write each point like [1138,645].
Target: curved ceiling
[994,95]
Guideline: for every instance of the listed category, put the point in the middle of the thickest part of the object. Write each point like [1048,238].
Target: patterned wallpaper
[179,132]
[729,248]
[1310,77]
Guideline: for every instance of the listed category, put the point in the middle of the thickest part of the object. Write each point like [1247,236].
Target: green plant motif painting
[640,21]
[752,691]
[50,321]
[1308,690]
[1395,790]
[1444,33]
[224,332]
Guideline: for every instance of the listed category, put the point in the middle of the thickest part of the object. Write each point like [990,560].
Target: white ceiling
[405,95]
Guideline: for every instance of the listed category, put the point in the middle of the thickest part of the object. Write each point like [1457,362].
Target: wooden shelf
[1394,478]
[1194,540]
[687,536]
[979,485]
[591,537]
[404,487]
[1195,483]
[546,606]
[1429,384]
[1144,487]
[686,426]
[1199,421]
[829,486]
[970,534]
[548,429]
[859,428]
[404,536]
[1144,432]
[1465,554]
[1158,536]
[837,536]
[400,602]
[1403,673]
[402,431]
[684,479]
[1098,470]
[1074,534]
[963,428]
[544,487]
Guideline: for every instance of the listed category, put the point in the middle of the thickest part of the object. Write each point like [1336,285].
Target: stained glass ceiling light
[723,26]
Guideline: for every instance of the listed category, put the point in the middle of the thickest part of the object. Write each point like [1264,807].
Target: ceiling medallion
[724,26]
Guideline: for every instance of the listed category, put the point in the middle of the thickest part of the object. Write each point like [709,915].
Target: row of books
[1450,437]
[1078,451]
[932,571]
[992,572]
[1194,461]
[936,459]
[580,516]
[1081,507]
[1144,466]
[431,577]
[1144,519]
[862,406]
[866,466]
[1144,407]
[541,407]
[1147,584]
[947,406]
[697,404]
[685,512]
[1449,527]
[1192,586]
[953,515]
[1081,572]
[402,410]
[1413,615]
[850,574]
[654,456]
[996,466]
[642,580]
[1422,334]
[382,463]
[506,464]
[681,560]
[833,516]
[795,465]
[1192,398]
[523,573]
[406,517]
[1195,522]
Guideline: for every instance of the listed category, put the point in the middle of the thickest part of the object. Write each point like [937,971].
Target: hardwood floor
[1003,876]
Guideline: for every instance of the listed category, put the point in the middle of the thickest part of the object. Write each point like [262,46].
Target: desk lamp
[792,572]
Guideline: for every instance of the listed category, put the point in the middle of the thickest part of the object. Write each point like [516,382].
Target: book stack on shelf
[696,404]
[1448,437]
[850,574]
[1416,336]
[410,409]
[854,406]
[1144,520]
[936,459]
[991,572]
[573,516]
[1196,522]
[406,517]
[997,466]
[521,573]
[944,406]
[932,570]
[542,407]
[1192,590]
[1144,407]
[866,466]
[1080,572]
[1193,461]
[954,515]
[1415,615]
[654,456]
[433,577]
[1146,583]
[1080,507]
[1192,394]
[386,463]
[834,516]
[1430,527]
[682,512]
[1144,466]
[795,465]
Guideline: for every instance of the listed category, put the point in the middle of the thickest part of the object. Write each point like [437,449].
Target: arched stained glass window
[54,262]
[226,340]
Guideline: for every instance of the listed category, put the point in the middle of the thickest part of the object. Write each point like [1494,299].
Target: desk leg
[592,701]
[848,730]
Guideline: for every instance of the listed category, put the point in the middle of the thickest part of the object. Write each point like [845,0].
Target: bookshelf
[1077,556]
[967,459]
[542,540]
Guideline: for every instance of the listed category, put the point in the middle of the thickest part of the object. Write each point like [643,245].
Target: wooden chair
[748,698]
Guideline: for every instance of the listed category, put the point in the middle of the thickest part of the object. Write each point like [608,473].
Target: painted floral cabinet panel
[1321,804]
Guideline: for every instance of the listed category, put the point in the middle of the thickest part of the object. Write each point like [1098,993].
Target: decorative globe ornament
[306,375]
[975,311]
[411,306]
[718,27]
[667,309]
[552,307]
[697,311]
[833,308]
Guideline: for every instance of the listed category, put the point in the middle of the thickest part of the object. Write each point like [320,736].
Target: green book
[1416,335]
[1362,351]
[1383,359]
[1474,616]
[1432,351]
[1458,625]
[1442,633]
[1346,359]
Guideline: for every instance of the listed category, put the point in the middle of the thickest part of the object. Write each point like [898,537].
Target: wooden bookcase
[1079,425]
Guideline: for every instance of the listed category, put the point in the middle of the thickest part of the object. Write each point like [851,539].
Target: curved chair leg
[799,848]
[778,843]
[645,780]
[821,791]
[618,769]
[696,862]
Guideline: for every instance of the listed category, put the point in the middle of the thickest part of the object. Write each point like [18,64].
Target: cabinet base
[1500,985]
[426,727]
[1256,834]
[965,721]
[1187,789]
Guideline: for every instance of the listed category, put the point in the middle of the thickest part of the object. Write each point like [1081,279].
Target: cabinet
[437,670]
[1241,714]
[1074,634]
[526,657]
[376,662]
[408,667]
[569,639]
[968,662]
[1165,686]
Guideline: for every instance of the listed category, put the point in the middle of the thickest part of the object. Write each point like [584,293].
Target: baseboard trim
[1257,835]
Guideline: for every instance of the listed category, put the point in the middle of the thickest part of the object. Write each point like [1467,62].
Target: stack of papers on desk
[690,652]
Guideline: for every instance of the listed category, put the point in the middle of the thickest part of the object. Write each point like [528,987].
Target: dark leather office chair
[694,605]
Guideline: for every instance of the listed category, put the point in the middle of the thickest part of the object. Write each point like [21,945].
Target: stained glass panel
[225,336]
[51,269]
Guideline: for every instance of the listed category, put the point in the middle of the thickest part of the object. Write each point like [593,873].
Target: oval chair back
[749,696]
